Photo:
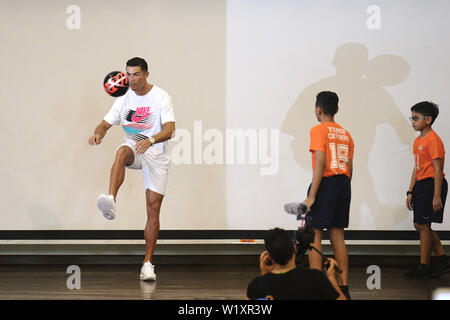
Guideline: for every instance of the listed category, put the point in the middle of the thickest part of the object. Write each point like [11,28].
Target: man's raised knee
[125,156]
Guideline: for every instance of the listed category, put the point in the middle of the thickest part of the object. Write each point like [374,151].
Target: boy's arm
[438,178]
[350,168]
[319,168]
[411,186]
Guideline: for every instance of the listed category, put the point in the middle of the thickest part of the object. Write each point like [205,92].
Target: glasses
[415,118]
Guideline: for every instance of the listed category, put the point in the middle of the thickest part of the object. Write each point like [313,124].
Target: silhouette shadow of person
[363,105]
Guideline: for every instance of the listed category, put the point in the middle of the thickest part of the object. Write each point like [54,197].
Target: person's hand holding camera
[329,268]
[330,271]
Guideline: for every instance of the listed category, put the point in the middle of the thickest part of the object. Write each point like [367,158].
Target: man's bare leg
[151,231]
[124,157]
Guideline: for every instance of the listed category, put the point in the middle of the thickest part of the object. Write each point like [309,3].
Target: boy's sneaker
[107,205]
[420,271]
[148,272]
[442,267]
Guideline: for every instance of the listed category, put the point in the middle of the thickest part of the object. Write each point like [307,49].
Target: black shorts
[332,206]
[422,201]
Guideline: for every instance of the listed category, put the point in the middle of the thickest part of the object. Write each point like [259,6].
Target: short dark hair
[427,109]
[328,101]
[280,245]
[138,62]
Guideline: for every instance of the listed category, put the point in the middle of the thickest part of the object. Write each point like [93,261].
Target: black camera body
[304,236]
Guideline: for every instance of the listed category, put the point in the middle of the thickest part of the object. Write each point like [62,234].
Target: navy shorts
[422,201]
[332,206]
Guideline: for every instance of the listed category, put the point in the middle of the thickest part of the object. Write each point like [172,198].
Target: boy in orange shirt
[428,189]
[330,192]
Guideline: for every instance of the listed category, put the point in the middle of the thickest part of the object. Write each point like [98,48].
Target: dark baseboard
[355,261]
[195,234]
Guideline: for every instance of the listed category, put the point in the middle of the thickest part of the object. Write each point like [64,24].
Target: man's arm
[166,133]
[331,275]
[99,133]
[319,168]
[438,178]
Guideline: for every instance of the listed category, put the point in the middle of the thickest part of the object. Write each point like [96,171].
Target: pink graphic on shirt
[141,113]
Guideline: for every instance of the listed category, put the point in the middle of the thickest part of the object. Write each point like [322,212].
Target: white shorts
[155,179]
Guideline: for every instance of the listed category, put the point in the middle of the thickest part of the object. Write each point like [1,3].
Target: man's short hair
[280,246]
[427,109]
[138,62]
[328,101]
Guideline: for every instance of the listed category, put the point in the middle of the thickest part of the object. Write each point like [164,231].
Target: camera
[304,235]
[303,238]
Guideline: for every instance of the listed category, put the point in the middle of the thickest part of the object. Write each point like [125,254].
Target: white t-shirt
[142,117]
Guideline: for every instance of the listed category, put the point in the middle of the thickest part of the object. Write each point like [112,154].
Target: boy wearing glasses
[428,190]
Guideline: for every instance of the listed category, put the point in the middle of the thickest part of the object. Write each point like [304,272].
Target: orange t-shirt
[426,149]
[337,144]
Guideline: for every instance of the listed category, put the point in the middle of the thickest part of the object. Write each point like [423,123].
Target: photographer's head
[279,245]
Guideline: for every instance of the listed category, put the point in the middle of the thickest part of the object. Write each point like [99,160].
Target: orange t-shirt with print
[426,149]
[337,144]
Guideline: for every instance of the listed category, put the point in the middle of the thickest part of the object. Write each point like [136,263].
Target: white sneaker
[148,272]
[107,205]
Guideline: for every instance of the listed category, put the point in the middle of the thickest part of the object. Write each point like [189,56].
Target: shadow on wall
[363,105]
